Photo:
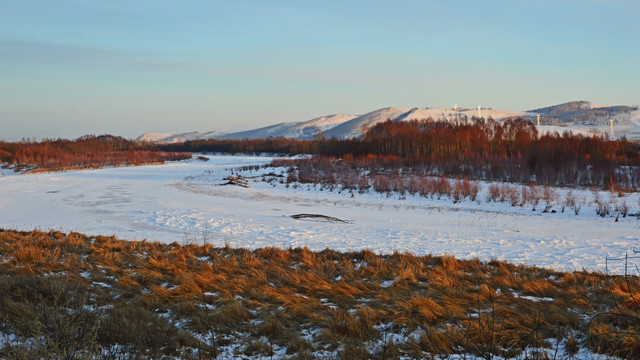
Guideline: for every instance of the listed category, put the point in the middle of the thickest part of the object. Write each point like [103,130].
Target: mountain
[356,126]
[451,114]
[304,130]
[581,117]
[169,138]
[153,137]
[584,113]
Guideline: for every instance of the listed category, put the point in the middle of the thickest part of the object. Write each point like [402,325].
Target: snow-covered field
[184,202]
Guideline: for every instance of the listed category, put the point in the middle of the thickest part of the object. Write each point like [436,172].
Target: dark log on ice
[319,217]
[236,180]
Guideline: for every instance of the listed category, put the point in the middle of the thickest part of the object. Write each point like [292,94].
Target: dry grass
[148,299]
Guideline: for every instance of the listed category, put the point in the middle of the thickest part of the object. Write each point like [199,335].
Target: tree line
[511,150]
[86,151]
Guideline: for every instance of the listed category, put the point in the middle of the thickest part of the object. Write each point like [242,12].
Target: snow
[594,105]
[153,136]
[354,128]
[451,114]
[5,170]
[183,202]
[169,138]
[551,129]
[495,114]
[624,125]
[300,130]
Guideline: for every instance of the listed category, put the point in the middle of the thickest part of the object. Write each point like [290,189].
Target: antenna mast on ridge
[611,121]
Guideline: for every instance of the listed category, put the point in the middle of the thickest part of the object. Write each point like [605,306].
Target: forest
[85,152]
[480,149]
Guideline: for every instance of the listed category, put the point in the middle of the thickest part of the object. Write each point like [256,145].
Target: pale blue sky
[75,67]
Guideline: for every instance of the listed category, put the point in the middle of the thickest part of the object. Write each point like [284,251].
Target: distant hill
[170,138]
[305,130]
[583,113]
[582,117]
[355,126]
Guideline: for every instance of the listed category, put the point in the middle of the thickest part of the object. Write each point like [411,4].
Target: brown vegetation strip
[72,295]
[85,152]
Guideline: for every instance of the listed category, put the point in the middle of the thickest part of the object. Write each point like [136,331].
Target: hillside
[580,117]
[304,130]
[170,138]
[585,113]
[354,127]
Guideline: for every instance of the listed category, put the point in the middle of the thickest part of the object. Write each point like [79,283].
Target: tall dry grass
[149,300]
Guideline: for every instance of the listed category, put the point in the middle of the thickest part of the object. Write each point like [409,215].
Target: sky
[124,67]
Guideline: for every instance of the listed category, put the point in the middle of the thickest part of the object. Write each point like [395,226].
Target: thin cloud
[30,53]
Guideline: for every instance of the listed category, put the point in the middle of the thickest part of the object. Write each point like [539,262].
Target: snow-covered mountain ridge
[577,116]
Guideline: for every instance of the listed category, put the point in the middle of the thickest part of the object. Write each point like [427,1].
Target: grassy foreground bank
[74,296]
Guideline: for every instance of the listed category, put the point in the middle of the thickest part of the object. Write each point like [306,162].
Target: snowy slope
[169,138]
[153,137]
[303,130]
[495,114]
[357,126]
[354,127]
[550,129]
[623,125]
[594,105]
[451,114]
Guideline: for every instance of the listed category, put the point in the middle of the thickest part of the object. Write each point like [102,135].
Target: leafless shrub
[444,187]
[494,192]
[470,189]
[363,184]
[463,188]
[569,201]
[429,187]
[398,184]
[602,206]
[534,196]
[525,195]
[414,185]
[382,184]
[349,182]
[549,196]
[292,177]
[512,194]
[622,208]
[456,192]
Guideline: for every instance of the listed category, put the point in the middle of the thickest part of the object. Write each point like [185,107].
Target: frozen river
[184,202]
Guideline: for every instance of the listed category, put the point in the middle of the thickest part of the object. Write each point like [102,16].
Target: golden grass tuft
[424,309]
[161,292]
[539,288]
[126,281]
[29,254]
